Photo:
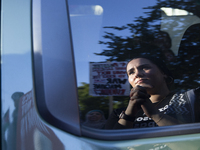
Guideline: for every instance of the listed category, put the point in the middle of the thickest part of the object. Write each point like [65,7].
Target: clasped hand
[139,99]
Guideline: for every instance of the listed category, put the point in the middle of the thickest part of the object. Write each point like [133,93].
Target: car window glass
[107,34]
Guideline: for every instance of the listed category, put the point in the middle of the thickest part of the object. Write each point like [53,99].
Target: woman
[151,102]
[95,119]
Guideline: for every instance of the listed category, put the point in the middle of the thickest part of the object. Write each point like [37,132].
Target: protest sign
[109,79]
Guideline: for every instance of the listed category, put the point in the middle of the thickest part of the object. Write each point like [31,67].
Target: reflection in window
[175,12]
[157,28]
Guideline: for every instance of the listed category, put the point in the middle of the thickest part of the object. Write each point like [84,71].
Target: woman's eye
[146,68]
[132,72]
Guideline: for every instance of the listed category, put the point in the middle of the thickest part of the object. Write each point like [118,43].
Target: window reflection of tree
[145,31]
[189,57]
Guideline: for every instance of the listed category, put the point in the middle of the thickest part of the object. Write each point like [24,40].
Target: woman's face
[94,116]
[143,72]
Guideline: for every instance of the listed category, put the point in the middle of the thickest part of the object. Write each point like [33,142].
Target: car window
[107,34]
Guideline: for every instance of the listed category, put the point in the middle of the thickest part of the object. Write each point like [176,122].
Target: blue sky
[87,22]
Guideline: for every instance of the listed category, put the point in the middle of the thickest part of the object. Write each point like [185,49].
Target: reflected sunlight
[81,10]
[175,12]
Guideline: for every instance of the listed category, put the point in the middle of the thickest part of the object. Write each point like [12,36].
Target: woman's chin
[145,85]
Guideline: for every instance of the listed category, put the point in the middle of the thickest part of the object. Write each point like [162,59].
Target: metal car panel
[54,73]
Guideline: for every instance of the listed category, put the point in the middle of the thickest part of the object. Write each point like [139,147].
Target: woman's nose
[139,73]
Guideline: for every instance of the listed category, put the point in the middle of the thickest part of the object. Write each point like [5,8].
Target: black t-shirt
[181,106]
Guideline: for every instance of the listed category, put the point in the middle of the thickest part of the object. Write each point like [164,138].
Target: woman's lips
[140,81]
[143,83]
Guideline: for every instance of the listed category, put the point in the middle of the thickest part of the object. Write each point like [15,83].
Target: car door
[47,49]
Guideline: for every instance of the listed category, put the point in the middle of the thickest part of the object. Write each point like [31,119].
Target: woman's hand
[149,109]
[138,96]
[139,99]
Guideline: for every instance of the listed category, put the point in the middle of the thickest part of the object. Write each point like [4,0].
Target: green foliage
[88,102]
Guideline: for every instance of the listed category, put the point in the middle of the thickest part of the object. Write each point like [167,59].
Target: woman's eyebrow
[143,65]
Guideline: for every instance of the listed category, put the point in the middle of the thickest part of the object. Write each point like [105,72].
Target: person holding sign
[151,102]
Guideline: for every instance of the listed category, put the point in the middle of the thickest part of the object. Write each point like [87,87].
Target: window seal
[53,65]
[140,133]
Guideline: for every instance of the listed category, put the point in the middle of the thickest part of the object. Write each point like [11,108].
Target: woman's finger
[139,95]
[136,89]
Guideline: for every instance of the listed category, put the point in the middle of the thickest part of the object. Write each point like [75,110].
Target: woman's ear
[165,76]
[169,80]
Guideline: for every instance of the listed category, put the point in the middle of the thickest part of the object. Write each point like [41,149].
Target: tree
[145,39]
[88,102]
